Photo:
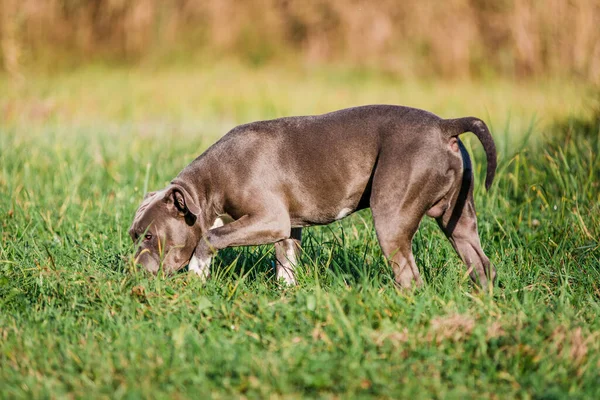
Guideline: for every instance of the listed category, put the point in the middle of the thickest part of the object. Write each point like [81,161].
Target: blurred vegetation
[451,39]
[158,81]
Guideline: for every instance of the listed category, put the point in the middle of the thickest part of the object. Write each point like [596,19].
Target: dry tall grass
[453,38]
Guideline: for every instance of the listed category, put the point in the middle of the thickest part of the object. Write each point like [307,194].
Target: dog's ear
[182,200]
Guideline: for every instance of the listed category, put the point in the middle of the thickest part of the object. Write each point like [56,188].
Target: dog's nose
[147,261]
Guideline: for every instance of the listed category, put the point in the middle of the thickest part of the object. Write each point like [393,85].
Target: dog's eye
[148,236]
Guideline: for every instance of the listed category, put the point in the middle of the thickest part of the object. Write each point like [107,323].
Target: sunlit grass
[77,151]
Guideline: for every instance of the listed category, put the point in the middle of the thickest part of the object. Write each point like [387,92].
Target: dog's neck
[208,200]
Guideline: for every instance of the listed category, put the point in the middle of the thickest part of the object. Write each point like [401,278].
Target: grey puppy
[264,181]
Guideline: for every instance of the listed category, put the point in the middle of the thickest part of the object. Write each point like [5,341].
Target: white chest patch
[344,212]
[221,220]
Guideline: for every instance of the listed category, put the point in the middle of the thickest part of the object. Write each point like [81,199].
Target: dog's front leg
[248,230]
[287,252]
[200,263]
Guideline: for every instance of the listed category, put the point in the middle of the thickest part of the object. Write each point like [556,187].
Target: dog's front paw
[286,277]
[200,267]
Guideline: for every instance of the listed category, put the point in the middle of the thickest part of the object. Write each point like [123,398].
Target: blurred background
[194,68]
[428,38]
[102,101]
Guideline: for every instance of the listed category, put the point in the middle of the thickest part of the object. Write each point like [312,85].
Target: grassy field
[79,149]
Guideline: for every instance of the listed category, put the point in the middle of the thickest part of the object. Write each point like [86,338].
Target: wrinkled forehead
[147,214]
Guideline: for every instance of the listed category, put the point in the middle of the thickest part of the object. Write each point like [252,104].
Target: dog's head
[164,229]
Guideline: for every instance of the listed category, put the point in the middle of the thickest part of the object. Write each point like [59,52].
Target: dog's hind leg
[396,215]
[395,229]
[459,223]
[287,252]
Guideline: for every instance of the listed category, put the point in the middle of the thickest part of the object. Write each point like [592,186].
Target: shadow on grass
[338,253]
[327,256]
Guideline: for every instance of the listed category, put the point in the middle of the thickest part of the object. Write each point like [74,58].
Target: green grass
[78,150]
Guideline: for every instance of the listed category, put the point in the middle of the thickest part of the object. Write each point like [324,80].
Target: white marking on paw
[286,274]
[343,213]
[200,267]
[290,253]
[285,270]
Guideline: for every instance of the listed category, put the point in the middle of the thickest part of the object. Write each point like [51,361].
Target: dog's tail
[454,127]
